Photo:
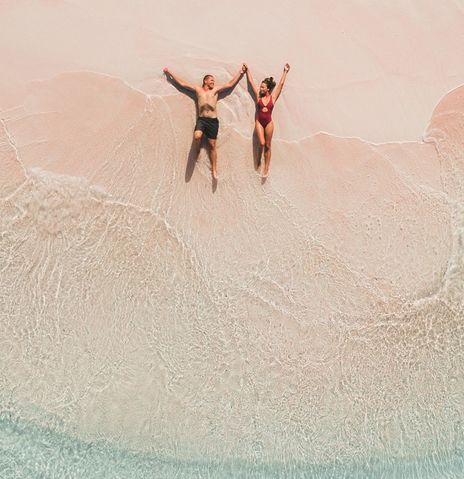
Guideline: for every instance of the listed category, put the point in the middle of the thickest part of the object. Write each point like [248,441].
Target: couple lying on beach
[208,124]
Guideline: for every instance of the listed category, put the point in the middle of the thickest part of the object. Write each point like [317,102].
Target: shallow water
[154,324]
[33,451]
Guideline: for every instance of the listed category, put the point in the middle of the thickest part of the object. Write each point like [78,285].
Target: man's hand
[244,68]
[166,70]
[286,67]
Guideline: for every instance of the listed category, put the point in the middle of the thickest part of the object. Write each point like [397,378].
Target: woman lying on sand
[265,99]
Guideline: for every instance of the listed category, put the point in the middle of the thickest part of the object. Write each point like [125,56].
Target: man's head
[266,87]
[208,81]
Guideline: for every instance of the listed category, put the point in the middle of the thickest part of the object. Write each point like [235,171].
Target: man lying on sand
[207,122]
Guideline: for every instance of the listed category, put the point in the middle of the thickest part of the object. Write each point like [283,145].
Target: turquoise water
[29,451]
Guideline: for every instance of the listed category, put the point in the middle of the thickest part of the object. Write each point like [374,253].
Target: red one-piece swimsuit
[264,112]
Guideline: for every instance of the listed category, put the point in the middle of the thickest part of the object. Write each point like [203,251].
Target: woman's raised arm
[278,89]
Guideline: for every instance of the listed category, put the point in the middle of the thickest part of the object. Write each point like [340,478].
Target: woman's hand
[286,67]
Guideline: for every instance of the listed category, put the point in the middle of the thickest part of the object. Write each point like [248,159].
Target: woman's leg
[268,131]
[260,134]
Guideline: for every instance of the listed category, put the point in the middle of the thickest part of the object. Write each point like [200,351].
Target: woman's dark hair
[270,83]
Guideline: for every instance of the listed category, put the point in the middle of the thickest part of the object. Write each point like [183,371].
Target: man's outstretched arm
[251,82]
[234,81]
[179,81]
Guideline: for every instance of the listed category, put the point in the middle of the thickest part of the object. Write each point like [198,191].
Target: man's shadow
[192,156]
[192,159]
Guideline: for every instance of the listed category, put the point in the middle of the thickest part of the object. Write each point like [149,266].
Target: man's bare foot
[215,175]
[265,172]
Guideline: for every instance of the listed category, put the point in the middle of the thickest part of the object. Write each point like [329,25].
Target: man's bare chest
[207,97]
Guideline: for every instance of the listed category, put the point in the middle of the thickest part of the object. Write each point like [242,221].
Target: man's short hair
[205,78]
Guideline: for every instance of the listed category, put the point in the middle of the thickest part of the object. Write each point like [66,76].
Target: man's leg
[213,157]
[197,135]
[268,131]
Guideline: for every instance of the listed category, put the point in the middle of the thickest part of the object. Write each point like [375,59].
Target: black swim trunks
[209,126]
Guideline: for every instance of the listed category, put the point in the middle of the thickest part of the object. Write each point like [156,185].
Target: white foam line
[18,159]
[13,145]
[91,72]
[305,138]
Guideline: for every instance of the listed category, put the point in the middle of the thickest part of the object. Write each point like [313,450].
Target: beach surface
[314,318]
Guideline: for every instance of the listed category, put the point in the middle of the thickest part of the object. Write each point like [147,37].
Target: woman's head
[266,87]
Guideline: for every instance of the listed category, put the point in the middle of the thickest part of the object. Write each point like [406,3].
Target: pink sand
[146,305]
